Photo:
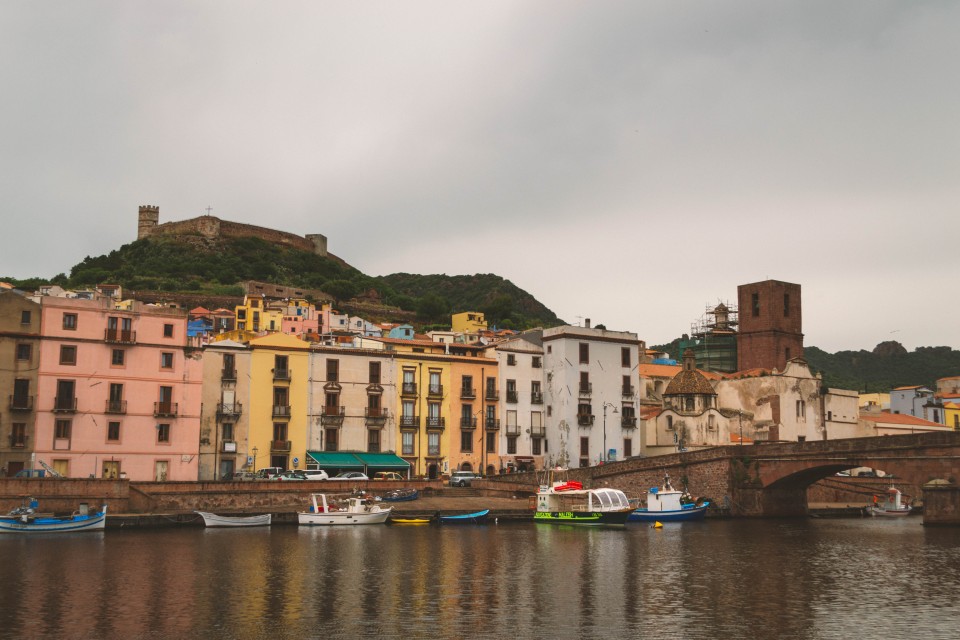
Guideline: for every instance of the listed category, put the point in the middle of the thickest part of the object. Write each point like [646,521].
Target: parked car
[316,474]
[462,478]
[387,475]
[290,475]
[350,475]
[242,476]
[268,472]
[866,474]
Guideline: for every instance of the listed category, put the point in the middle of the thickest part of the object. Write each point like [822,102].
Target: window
[536,362]
[584,382]
[168,331]
[627,447]
[535,446]
[70,321]
[374,373]
[829,416]
[755,304]
[373,440]
[65,399]
[511,360]
[227,431]
[166,360]
[330,439]
[627,387]
[491,442]
[24,317]
[787,353]
[466,441]
[584,447]
[512,422]
[333,370]
[61,429]
[625,356]
[786,305]
[669,423]
[229,365]
[115,403]
[801,409]
[511,445]
[24,351]
[688,403]
[584,353]
[407,443]
[113,431]
[163,433]
[18,435]
[280,432]
[433,443]
[117,357]
[466,386]
[68,354]
[373,404]
[511,390]
[331,405]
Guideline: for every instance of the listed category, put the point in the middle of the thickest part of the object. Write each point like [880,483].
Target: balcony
[165,409]
[332,416]
[585,419]
[492,394]
[586,388]
[18,441]
[536,397]
[511,395]
[513,430]
[120,336]
[435,390]
[64,405]
[229,411]
[491,424]
[409,422]
[436,422]
[115,406]
[281,375]
[468,393]
[538,432]
[281,411]
[628,422]
[228,375]
[21,403]
[281,446]
[468,423]
[627,391]
[408,389]
[375,416]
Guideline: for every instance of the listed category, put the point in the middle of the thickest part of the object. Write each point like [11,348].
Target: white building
[521,382]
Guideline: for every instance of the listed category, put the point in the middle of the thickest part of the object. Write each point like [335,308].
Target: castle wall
[213,227]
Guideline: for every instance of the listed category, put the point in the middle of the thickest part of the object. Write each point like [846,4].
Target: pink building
[118,391]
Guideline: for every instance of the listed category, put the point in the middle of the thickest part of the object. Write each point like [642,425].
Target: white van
[316,474]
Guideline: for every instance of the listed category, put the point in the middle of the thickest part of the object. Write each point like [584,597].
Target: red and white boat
[895,504]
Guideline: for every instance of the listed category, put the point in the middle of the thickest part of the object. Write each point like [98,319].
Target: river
[798,578]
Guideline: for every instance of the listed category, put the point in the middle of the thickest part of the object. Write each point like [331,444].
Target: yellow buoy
[657,525]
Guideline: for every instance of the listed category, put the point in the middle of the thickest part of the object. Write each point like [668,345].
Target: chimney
[586,322]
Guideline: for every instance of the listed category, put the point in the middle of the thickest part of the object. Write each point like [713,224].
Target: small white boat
[666,504]
[893,506]
[338,510]
[213,520]
[25,519]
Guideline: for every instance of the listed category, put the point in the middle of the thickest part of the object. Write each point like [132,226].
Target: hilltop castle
[148,225]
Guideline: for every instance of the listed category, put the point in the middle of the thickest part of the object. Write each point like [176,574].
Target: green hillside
[195,265]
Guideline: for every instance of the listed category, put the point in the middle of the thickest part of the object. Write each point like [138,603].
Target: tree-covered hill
[197,265]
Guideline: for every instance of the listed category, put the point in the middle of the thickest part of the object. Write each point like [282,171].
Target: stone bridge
[772,479]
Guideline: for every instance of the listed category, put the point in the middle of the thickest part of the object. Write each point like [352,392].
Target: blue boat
[666,504]
[24,519]
[477,517]
[401,495]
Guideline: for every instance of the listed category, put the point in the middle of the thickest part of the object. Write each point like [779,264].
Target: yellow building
[256,315]
[474,425]
[468,322]
[279,388]
[951,411]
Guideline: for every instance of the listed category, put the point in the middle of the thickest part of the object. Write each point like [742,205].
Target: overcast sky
[629,162]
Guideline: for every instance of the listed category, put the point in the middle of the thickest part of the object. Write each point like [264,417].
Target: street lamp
[255,450]
[614,407]
[740,417]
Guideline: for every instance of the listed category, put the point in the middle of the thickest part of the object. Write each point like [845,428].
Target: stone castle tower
[771,327]
[148,225]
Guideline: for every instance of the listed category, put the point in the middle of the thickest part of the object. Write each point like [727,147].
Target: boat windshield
[611,498]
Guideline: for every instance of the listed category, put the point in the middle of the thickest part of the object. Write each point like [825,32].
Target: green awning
[336,459]
[380,461]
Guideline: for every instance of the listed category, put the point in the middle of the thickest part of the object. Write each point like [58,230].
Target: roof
[647,412]
[897,418]
[658,370]
[748,373]
[916,386]
[736,438]
[689,382]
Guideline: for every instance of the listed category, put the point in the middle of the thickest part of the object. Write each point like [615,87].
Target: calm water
[856,578]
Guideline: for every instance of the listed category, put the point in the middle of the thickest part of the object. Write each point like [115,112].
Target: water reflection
[764,579]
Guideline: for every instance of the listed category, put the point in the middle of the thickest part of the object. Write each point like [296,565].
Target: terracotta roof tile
[897,418]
